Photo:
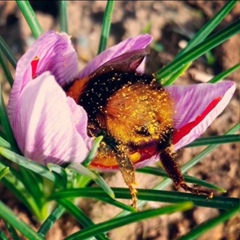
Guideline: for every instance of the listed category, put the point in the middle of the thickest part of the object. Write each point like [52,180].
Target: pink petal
[141,67]
[44,124]
[196,107]
[80,120]
[55,54]
[130,51]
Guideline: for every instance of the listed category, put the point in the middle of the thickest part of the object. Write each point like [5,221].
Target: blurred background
[172,24]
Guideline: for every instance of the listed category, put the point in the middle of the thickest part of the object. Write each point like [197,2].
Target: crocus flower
[51,127]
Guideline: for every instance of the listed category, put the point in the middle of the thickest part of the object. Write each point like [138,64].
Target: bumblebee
[135,114]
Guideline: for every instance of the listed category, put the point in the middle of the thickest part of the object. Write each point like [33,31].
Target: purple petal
[193,110]
[45,125]
[80,120]
[132,48]
[141,67]
[55,54]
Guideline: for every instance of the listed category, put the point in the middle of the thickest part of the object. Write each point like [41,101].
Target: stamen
[34,65]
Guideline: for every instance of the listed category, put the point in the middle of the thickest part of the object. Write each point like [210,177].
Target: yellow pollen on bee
[152,128]
[140,113]
[135,157]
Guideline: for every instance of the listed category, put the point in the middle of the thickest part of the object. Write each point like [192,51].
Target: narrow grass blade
[80,216]
[14,183]
[122,221]
[150,195]
[224,74]
[6,125]
[209,26]
[206,151]
[198,50]
[93,151]
[35,190]
[60,171]
[118,204]
[208,225]
[177,74]
[63,15]
[52,218]
[4,143]
[3,236]
[8,53]
[84,192]
[106,25]
[30,17]
[94,176]
[200,36]
[3,172]
[189,179]
[12,231]
[81,181]
[6,70]
[215,140]
[27,163]
[22,227]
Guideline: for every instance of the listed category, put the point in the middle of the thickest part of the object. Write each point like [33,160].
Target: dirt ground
[172,24]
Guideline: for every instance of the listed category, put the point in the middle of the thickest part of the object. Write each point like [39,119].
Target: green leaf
[206,151]
[14,183]
[30,17]
[3,236]
[106,25]
[3,172]
[147,29]
[212,24]
[208,225]
[60,172]
[28,164]
[4,143]
[79,168]
[5,69]
[22,227]
[210,58]
[176,75]
[80,216]
[8,53]
[214,140]
[224,74]
[150,195]
[197,51]
[93,151]
[35,190]
[51,219]
[200,36]
[118,204]
[63,15]
[5,124]
[189,179]
[122,221]
[12,231]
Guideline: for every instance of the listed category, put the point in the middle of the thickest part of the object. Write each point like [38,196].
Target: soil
[173,23]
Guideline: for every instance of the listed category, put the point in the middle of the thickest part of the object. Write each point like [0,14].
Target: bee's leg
[172,168]
[128,172]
